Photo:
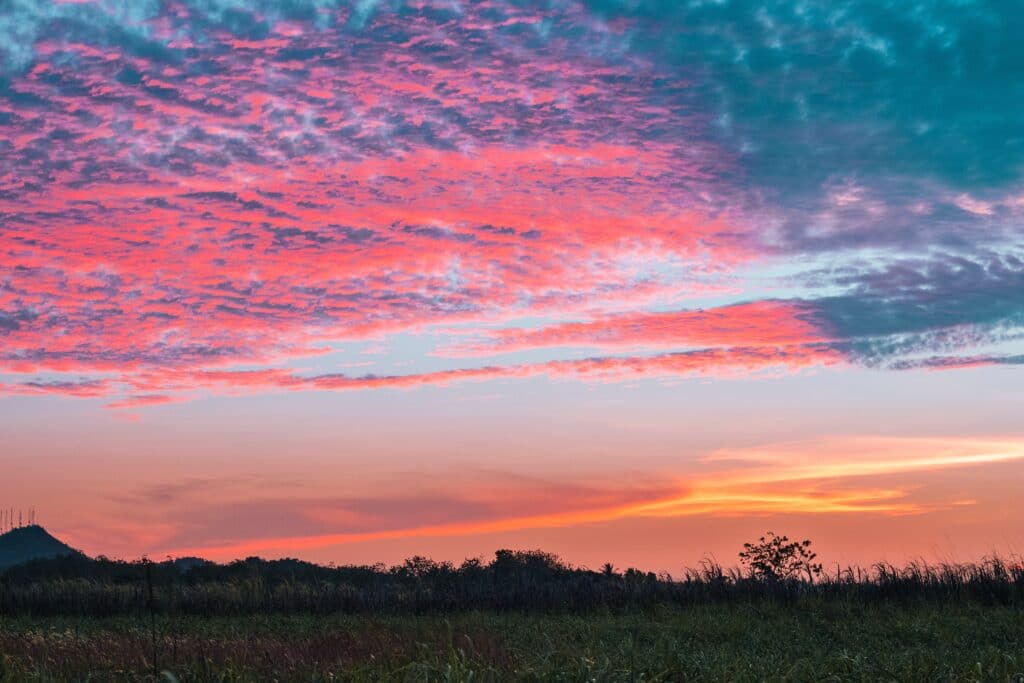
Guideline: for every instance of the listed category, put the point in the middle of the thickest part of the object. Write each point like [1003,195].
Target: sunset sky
[626,280]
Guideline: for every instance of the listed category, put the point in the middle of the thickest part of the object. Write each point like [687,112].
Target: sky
[631,281]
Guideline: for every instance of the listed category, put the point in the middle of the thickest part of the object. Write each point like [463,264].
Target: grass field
[809,642]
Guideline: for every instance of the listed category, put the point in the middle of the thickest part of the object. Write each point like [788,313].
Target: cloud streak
[830,477]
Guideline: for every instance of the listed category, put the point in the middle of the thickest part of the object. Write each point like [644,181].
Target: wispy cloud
[834,476]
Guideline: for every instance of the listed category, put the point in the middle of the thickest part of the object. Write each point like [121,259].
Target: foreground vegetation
[522,581]
[816,641]
[525,615]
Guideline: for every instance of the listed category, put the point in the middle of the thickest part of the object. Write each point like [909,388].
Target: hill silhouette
[27,543]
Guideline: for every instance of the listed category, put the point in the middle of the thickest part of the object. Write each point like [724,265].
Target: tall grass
[817,641]
[514,581]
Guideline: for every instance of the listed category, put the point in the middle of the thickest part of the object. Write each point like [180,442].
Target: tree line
[772,569]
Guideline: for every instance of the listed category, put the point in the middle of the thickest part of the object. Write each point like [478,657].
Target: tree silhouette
[776,558]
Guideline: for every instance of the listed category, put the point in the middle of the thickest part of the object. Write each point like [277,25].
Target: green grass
[810,642]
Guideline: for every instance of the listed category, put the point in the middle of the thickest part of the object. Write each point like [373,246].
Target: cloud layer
[207,196]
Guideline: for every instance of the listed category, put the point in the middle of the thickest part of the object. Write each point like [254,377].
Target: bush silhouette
[776,558]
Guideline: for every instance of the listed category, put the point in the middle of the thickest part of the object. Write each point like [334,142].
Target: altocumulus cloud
[187,187]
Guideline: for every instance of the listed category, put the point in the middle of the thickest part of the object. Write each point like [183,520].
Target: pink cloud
[156,219]
[753,324]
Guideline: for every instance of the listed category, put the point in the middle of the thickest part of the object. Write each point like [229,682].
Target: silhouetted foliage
[776,558]
[514,581]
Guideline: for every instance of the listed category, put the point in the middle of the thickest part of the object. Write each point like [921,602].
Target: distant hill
[28,543]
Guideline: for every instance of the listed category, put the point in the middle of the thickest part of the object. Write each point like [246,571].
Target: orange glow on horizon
[729,493]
